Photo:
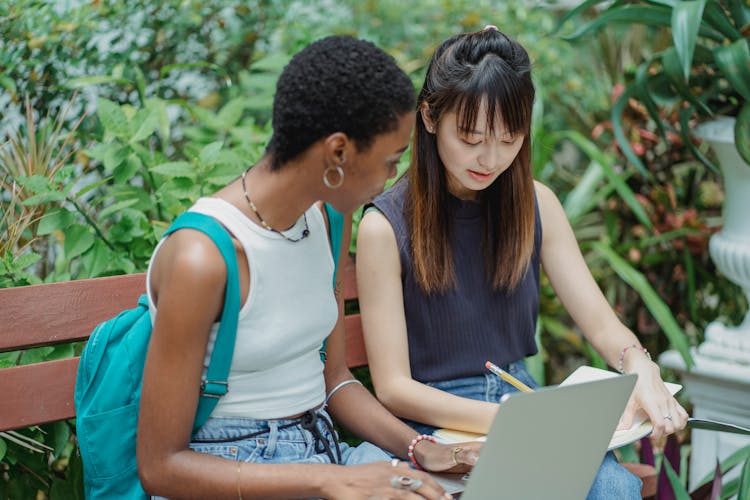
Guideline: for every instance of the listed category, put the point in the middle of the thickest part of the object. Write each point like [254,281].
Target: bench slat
[38,393]
[53,313]
[356,354]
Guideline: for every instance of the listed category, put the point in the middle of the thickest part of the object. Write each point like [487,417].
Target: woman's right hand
[383,481]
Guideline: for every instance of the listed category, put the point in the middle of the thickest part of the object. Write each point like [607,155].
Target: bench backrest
[55,313]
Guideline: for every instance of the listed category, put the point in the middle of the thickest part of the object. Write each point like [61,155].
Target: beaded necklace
[305,232]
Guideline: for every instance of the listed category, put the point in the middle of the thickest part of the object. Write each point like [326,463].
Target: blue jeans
[612,482]
[310,439]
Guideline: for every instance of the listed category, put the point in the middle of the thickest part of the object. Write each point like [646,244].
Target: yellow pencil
[508,377]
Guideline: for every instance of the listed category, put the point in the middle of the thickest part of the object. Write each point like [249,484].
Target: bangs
[508,96]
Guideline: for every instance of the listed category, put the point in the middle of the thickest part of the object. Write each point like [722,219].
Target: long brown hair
[466,71]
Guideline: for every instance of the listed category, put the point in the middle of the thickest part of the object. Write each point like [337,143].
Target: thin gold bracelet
[239,490]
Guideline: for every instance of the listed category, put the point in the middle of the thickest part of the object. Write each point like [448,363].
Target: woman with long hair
[449,259]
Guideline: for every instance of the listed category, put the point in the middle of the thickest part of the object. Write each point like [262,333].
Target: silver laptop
[546,444]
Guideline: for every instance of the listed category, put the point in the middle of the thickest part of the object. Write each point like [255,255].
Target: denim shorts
[310,439]
[612,482]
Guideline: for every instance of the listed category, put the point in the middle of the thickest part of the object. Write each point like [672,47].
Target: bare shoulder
[544,194]
[375,227]
[549,204]
[189,259]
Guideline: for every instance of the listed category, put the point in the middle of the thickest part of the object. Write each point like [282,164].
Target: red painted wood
[53,313]
[38,393]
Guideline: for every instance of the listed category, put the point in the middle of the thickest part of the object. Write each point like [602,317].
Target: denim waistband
[316,422]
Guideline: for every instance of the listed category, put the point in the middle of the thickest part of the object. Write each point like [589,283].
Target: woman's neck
[280,196]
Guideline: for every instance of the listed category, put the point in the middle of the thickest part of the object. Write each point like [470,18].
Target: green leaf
[116,207]
[581,7]
[659,310]
[715,17]
[144,124]
[742,133]
[159,109]
[175,169]
[94,185]
[140,81]
[642,90]
[673,70]
[744,491]
[737,457]
[36,183]
[622,188]
[126,170]
[231,112]
[97,259]
[628,14]
[679,490]
[61,351]
[44,198]
[27,260]
[35,355]
[113,118]
[275,62]
[78,239]
[53,220]
[3,448]
[686,19]
[9,85]
[734,62]
[739,10]
[209,154]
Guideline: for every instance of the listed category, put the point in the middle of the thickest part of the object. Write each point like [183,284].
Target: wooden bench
[56,313]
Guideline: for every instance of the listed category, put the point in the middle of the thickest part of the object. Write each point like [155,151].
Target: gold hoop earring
[339,171]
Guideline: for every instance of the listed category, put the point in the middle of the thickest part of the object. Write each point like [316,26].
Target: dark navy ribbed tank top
[452,334]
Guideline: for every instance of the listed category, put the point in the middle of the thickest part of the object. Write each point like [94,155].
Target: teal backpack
[110,374]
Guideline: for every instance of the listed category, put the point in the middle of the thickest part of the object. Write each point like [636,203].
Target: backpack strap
[214,385]
[335,233]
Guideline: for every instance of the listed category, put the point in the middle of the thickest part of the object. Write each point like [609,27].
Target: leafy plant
[703,70]
[672,481]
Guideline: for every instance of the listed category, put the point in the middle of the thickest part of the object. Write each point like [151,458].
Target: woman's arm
[353,406]
[189,277]
[584,301]
[382,308]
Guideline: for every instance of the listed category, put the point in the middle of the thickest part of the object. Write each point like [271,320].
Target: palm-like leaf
[707,65]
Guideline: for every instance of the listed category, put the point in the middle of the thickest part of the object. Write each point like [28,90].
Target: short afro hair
[337,84]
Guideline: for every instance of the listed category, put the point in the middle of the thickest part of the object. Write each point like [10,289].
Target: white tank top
[276,369]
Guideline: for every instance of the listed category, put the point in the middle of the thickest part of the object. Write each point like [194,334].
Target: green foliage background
[141,107]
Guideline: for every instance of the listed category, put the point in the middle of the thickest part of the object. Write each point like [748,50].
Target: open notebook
[641,425]
[554,434]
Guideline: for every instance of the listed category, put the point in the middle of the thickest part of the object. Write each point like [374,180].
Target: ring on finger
[406,483]
[456,450]
[668,416]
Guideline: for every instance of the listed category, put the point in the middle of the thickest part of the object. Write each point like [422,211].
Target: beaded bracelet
[414,442]
[624,350]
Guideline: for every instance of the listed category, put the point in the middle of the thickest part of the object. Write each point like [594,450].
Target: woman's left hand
[455,457]
[651,395]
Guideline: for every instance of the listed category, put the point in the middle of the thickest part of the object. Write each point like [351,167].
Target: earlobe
[424,111]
